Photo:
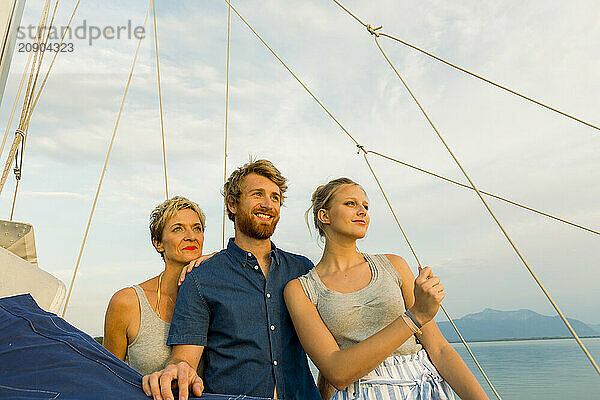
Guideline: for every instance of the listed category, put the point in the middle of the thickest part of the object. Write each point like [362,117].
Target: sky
[548,50]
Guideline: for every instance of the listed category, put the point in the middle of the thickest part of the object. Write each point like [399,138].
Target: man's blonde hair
[232,190]
[166,210]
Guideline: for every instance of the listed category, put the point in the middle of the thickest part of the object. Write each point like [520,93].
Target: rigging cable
[17,97]
[346,132]
[15,144]
[493,215]
[42,50]
[368,151]
[19,134]
[293,74]
[373,31]
[112,140]
[514,203]
[18,169]
[466,71]
[62,39]
[162,124]
[29,111]
[226,124]
[35,67]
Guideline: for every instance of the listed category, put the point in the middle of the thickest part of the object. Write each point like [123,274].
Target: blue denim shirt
[228,306]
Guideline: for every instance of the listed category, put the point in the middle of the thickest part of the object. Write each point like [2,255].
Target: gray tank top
[353,317]
[148,352]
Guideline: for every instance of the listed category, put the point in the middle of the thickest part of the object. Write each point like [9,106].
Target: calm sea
[536,369]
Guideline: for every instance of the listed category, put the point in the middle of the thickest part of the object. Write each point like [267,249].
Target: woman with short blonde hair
[138,318]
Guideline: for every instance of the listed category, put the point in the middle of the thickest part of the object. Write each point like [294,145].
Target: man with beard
[231,307]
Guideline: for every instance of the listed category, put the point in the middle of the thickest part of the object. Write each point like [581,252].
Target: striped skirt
[399,378]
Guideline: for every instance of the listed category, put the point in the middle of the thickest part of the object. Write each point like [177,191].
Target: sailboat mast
[11,12]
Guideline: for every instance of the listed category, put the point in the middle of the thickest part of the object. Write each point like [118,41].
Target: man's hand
[193,264]
[159,384]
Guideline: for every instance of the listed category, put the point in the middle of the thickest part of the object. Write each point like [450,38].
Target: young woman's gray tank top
[148,352]
[353,317]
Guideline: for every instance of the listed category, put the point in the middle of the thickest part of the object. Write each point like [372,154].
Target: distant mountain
[492,324]
[595,327]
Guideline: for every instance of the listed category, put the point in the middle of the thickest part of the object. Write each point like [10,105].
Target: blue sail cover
[44,357]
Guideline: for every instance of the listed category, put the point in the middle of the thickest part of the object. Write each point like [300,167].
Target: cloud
[63,195]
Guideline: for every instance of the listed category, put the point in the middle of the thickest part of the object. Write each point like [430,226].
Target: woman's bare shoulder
[125,300]
[294,292]
[293,287]
[122,311]
[400,265]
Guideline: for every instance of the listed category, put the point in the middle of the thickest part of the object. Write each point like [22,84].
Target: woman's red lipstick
[190,248]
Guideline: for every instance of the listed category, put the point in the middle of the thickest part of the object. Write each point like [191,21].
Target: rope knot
[361,148]
[373,31]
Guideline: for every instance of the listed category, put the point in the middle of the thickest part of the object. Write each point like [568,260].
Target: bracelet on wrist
[409,322]
[413,318]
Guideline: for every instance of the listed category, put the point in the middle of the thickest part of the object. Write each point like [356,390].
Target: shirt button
[249,254]
[274,362]
[256,267]
[272,327]
[268,295]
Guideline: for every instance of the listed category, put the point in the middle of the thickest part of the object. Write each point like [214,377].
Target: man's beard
[250,227]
